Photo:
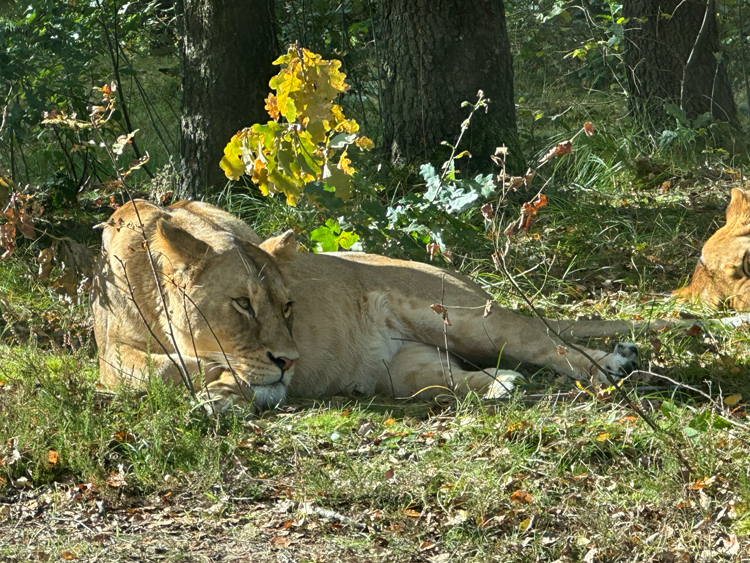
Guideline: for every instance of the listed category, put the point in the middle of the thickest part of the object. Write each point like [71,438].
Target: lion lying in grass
[263,320]
[722,275]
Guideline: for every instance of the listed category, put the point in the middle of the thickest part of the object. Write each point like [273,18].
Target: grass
[471,480]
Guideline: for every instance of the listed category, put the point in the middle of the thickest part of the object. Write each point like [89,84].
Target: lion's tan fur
[719,277]
[363,323]
[202,257]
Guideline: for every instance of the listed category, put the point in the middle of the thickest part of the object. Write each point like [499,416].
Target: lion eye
[243,305]
[746,264]
[288,308]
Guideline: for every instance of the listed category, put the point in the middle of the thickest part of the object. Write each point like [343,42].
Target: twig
[114,57]
[444,314]
[716,404]
[393,390]
[237,380]
[310,508]
[183,372]
[688,64]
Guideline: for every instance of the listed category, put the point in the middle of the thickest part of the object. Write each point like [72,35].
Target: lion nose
[285,364]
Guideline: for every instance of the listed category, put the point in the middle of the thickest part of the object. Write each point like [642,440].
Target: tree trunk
[438,54]
[671,46]
[227,50]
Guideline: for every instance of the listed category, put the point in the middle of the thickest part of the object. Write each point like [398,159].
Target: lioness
[722,275]
[362,323]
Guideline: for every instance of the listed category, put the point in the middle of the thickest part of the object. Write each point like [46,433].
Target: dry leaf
[432,250]
[442,311]
[588,128]
[68,555]
[390,474]
[280,541]
[46,261]
[693,331]
[521,496]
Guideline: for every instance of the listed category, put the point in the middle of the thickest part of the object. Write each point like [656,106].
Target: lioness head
[722,275]
[230,308]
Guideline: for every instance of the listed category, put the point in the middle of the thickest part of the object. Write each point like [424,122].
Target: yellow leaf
[52,457]
[272,107]
[231,163]
[344,164]
[603,437]
[732,400]
[364,143]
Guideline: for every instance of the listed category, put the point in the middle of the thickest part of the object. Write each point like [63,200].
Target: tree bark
[227,50]
[671,46]
[438,54]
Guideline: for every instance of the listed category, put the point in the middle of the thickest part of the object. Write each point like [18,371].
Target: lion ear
[180,249]
[282,247]
[738,211]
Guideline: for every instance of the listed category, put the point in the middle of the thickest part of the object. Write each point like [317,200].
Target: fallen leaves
[521,496]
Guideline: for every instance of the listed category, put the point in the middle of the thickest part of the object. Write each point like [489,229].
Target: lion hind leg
[426,371]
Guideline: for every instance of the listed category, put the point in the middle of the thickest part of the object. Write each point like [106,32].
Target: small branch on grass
[714,403]
[310,508]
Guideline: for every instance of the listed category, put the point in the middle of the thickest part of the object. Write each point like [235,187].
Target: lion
[722,275]
[263,321]
[184,324]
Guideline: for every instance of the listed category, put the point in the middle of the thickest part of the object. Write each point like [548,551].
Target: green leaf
[707,419]
[333,226]
[338,180]
[669,410]
[346,239]
[427,171]
[325,238]
[342,140]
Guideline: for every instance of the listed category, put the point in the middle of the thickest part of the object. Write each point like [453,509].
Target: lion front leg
[427,371]
[120,363]
[482,339]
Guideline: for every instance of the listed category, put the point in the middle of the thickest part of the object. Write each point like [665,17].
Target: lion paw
[623,360]
[214,403]
[503,384]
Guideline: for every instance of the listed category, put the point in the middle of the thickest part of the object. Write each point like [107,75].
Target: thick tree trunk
[671,47]
[438,54]
[227,50]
